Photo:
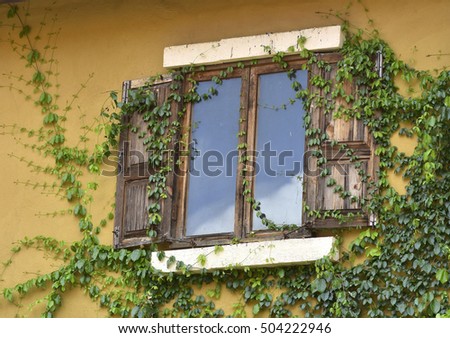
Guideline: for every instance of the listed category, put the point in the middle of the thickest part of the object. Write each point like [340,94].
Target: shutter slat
[135,201]
[331,199]
[138,154]
[356,187]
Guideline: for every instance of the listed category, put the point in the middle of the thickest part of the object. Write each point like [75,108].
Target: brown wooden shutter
[131,217]
[339,182]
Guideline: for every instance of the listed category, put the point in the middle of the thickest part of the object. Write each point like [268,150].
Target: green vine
[406,266]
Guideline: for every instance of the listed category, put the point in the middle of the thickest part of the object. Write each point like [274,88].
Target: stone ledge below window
[287,252]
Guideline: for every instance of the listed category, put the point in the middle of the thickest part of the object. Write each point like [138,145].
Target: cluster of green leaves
[405,270]
[405,273]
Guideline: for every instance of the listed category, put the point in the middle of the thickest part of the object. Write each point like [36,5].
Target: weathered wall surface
[117,40]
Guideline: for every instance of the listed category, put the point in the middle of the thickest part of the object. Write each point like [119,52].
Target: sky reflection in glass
[211,193]
[280,131]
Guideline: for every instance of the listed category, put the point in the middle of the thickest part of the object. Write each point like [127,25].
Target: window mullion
[240,224]
[251,148]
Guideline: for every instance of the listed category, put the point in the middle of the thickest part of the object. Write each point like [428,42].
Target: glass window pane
[213,165]
[280,147]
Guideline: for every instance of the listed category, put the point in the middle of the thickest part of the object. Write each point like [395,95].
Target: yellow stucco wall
[119,40]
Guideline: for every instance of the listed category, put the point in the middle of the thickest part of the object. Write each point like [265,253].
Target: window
[214,197]
[253,114]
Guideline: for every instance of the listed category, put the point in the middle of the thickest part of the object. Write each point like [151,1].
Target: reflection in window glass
[280,146]
[213,165]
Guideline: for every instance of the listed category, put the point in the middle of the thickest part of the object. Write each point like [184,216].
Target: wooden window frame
[171,234]
[248,115]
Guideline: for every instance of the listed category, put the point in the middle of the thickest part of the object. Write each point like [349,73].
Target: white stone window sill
[255,254]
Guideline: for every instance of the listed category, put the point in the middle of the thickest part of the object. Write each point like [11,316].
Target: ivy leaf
[45,99]
[201,259]
[122,254]
[50,118]
[38,77]
[427,268]
[12,11]
[57,139]
[247,294]
[79,265]
[442,276]
[218,249]
[95,252]
[79,210]
[432,121]
[161,255]
[113,96]
[7,293]
[256,309]
[26,29]
[94,291]
[447,101]
[171,261]
[152,233]
[410,311]
[435,306]
[401,307]
[319,285]
[135,311]
[331,182]
[135,255]
[374,252]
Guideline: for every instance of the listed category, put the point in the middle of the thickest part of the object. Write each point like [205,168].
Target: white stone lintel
[253,47]
[254,254]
